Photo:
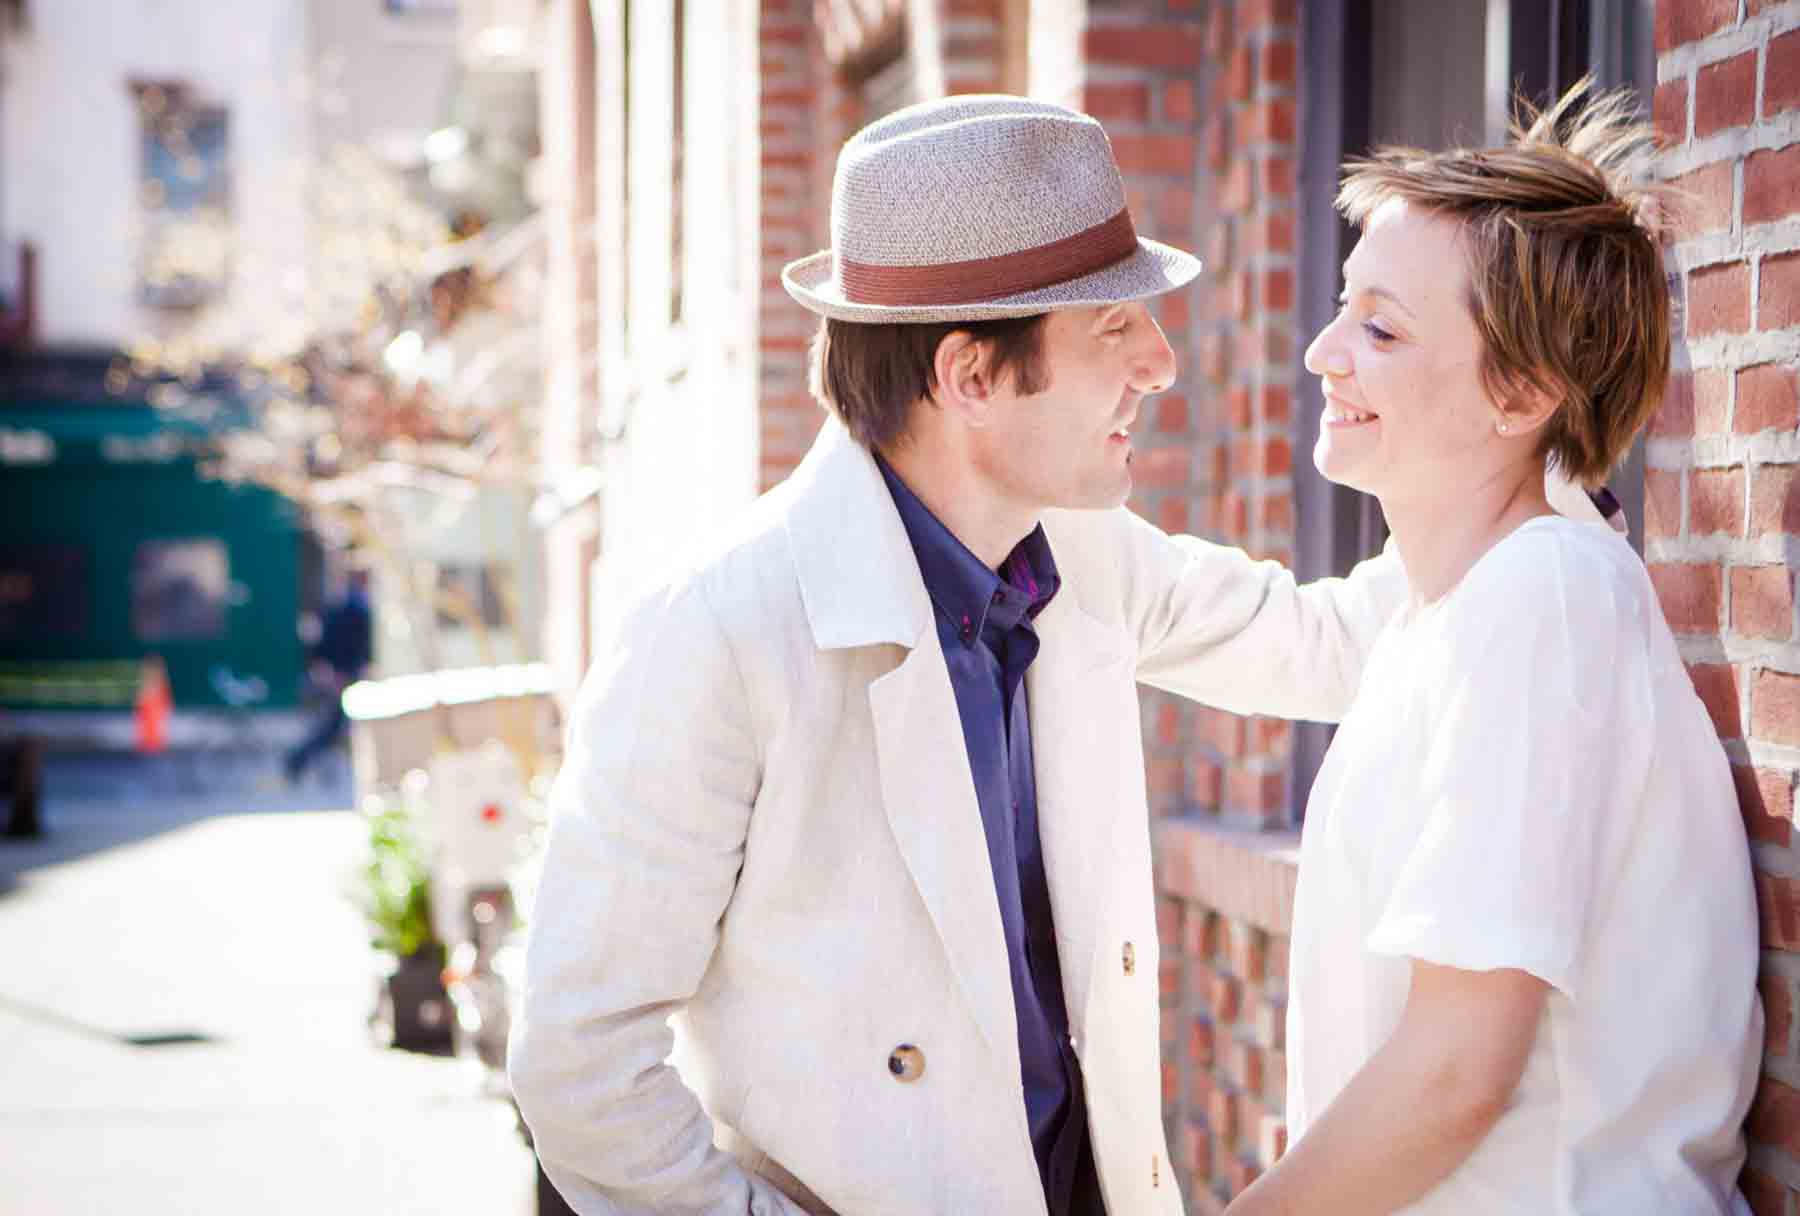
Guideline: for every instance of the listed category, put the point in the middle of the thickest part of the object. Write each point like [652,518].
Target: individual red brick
[1778,910]
[1725,94]
[1280,62]
[1174,311]
[1712,401]
[1172,413]
[1662,503]
[1214,356]
[1200,932]
[1144,45]
[1237,407]
[1774,499]
[1778,299]
[1270,736]
[1690,595]
[1275,404]
[1272,232]
[1716,686]
[1275,177]
[1113,103]
[1200,1043]
[1256,15]
[1766,1196]
[1775,707]
[1256,793]
[1278,289]
[1716,502]
[1705,199]
[1209,784]
[1172,514]
[1234,191]
[1781,74]
[1267,121]
[1249,954]
[1772,185]
[1766,797]
[1171,154]
[1668,108]
[1180,103]
[1225,997]
[1201,1086]
[1718,300]
[1775,1114]
[1691,20]
[1762,602]
[1240,74]
[1768,398]
[1161,468]
[1777,993]
[1675,415]
[1222,1116]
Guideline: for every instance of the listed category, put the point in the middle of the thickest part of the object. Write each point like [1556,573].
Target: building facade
[1230,119]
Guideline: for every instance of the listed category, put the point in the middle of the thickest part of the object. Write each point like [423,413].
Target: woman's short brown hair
[870,375]
[1566,278]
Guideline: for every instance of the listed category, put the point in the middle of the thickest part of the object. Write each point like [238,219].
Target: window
[179,590]
[43,591]
[184,192]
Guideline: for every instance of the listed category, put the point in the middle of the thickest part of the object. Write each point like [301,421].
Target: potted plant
[412,1009]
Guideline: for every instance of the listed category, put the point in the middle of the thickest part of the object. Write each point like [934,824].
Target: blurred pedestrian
[338,660]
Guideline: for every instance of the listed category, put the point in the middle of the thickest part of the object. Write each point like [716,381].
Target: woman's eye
[1376,332]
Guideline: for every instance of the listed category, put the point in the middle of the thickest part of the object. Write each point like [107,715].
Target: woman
[1525,940]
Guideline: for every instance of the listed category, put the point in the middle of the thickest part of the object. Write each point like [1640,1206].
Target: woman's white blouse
[1527,780]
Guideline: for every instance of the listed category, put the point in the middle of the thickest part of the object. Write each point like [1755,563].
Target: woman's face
[1406,417]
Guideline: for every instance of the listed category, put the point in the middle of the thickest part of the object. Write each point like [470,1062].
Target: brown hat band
[1006,274]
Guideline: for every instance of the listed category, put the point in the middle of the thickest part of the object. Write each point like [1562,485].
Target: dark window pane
[43,591]
[179,590]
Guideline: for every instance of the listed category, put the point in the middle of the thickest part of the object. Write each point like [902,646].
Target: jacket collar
[859,577]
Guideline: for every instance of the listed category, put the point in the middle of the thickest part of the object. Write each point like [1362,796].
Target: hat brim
[1152,270]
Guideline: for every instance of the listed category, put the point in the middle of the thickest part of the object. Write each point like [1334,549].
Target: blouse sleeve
[1534,735]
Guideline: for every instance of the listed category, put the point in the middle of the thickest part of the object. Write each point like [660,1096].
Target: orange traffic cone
[154,705]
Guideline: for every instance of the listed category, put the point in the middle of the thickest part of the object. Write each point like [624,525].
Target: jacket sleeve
[648,820]
[1216,626]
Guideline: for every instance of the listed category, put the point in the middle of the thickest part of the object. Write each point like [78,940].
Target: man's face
[1069,445]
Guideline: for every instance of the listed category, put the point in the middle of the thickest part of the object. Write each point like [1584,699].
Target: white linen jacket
[766,869]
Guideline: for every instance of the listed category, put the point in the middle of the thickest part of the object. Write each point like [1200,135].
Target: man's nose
[1326,355]
[1154,370]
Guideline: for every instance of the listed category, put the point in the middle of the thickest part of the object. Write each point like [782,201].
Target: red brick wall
[1722,490]
[1201,104]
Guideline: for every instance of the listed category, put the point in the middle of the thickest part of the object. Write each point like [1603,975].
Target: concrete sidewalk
[228,936]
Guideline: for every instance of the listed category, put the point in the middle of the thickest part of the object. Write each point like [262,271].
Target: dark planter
[22,780]
[412,1010]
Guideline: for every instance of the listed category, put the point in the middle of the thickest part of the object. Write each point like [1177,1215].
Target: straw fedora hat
[977,207]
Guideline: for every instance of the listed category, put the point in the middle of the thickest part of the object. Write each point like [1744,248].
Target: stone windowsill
[1245,874]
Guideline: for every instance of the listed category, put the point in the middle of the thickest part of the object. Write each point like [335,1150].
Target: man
[847,902]
[342,653]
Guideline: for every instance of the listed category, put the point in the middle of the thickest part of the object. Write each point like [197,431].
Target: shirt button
[967,631]
[998,596]
[906,1063]
[1129,958]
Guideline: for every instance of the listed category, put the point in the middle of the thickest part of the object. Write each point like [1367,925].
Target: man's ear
[963,368]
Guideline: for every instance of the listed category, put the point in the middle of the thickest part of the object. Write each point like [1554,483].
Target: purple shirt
[984,624]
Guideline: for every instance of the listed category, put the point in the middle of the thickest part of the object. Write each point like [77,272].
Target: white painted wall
[293,74]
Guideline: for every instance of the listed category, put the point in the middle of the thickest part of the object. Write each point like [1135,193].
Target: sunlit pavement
[228,937]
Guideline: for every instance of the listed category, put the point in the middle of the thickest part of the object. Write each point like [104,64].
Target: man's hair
[1565,276]
[870,375]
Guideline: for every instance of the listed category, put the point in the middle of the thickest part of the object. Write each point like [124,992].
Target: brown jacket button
[906,1063]
[1130,958]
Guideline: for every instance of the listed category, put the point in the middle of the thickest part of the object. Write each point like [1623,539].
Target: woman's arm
[1421,1104]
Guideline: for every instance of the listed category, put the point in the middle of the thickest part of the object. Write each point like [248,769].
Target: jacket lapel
[861,586]
[1084,725]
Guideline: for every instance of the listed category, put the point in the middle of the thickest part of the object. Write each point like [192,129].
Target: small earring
[1501,426]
